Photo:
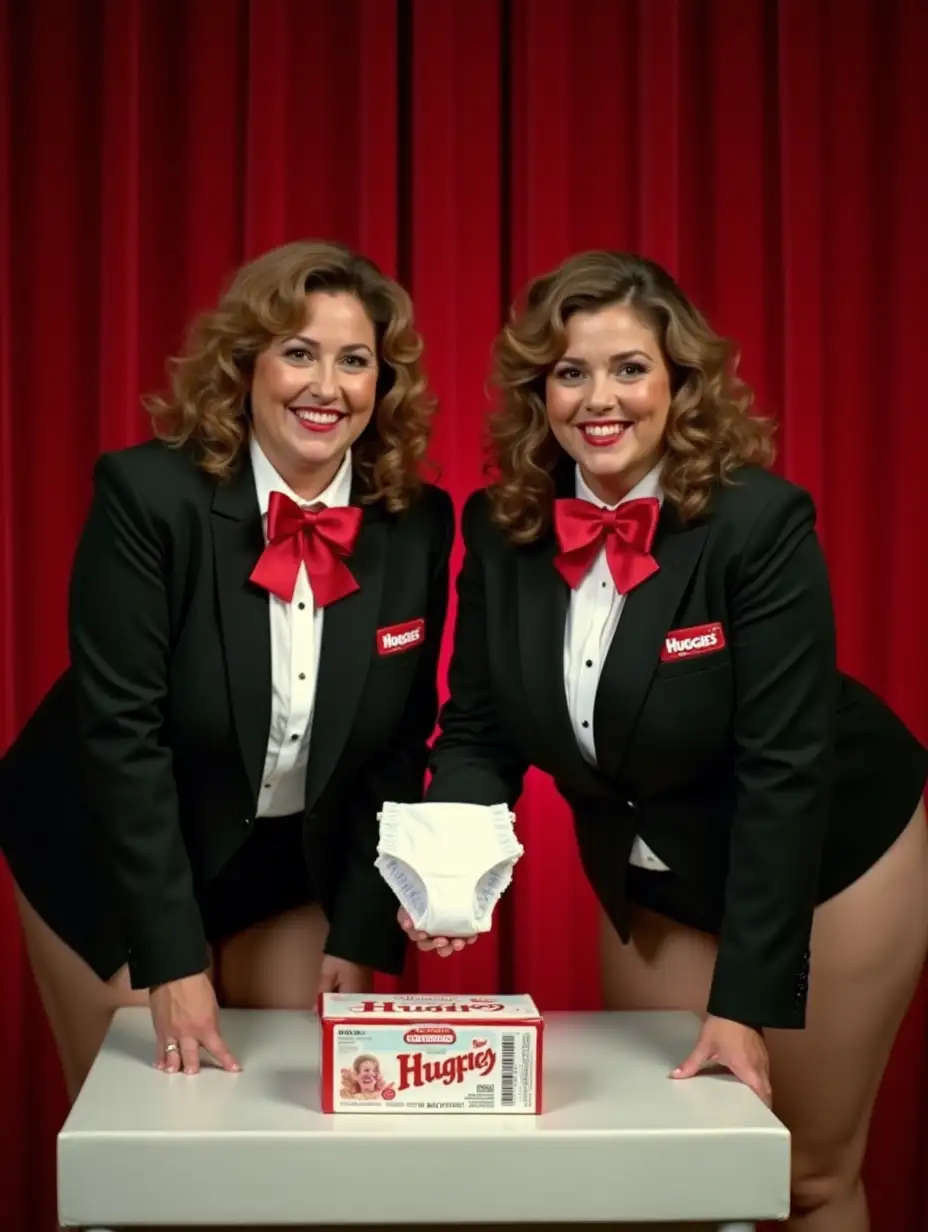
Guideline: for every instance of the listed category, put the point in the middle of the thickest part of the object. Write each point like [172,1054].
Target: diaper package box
[428,1053]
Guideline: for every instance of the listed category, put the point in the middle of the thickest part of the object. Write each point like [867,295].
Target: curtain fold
[770,154]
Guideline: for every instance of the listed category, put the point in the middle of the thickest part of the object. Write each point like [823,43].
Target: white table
[618,1142]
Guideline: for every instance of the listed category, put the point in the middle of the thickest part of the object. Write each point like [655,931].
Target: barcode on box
[508,1082]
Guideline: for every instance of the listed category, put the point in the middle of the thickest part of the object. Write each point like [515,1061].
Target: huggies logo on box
[397,638]
[687,643]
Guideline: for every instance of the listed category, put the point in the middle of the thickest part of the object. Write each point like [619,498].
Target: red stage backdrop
[771,155]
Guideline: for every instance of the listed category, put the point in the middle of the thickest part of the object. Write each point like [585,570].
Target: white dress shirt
[593,617]
[296,640]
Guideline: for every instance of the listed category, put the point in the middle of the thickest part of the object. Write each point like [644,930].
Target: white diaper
[447,864]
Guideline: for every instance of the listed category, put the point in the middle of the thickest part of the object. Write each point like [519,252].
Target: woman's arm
[785,679]
[120,645]
[363,928]
[473,761]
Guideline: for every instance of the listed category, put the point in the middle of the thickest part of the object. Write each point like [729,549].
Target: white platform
[619,1141]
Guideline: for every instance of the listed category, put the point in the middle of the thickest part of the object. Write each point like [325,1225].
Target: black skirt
[669,895]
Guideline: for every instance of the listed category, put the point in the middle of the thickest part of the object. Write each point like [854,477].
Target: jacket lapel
[243,616]
[348,636]
[635,650]
[543,602]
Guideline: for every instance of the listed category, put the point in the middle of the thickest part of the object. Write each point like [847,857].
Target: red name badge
[687,643]
[396,638]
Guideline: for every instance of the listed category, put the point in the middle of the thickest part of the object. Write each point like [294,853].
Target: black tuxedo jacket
[723,761]
[168,699]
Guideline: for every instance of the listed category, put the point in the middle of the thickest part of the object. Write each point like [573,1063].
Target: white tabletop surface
[618,1140]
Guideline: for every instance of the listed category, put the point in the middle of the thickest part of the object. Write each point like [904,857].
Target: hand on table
[443,946]
[186,1018]
[738,1048]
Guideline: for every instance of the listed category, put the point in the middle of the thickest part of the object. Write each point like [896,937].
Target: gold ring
[171,1048]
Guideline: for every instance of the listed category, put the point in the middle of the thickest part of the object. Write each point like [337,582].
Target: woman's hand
[736,1047]
[443,946]
[339,975]
[186,1017]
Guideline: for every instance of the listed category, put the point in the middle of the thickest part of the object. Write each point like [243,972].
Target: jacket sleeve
[120,650]
[363,928]
[784,660]
[473,761]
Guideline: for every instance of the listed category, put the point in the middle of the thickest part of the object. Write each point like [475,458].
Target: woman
[191,814]
[644,614]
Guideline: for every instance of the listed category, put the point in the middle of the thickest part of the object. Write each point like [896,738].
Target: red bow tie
[317,537]
[628,532]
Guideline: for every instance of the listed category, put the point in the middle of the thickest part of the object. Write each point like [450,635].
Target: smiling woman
[644,614]
[228,727]
[608,363]
[609,397]
[308,327]
[313,394]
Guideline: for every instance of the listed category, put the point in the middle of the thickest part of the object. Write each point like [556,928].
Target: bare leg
[78,1004]
[665,966]
[275,964]
[868,949]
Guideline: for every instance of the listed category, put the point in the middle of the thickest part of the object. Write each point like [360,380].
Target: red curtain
[771,154]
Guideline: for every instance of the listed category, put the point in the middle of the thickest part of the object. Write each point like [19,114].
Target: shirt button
[584,723]
[301,606]
[302,675]
[589,662]
[295,736]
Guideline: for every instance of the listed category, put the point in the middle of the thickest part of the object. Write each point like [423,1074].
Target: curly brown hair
[709,433]
[266,300]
